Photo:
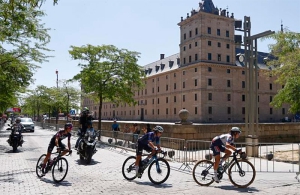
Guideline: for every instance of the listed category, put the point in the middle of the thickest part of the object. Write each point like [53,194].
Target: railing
[269,157]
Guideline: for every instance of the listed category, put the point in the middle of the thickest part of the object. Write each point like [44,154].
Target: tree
[71,97]
[23,41]
[108,73]
[286,66]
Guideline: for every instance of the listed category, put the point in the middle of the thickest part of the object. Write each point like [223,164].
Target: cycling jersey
[218,143]
[61,135]
[148,137]
[224,138]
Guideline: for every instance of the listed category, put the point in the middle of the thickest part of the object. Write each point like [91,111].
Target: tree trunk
[100,116]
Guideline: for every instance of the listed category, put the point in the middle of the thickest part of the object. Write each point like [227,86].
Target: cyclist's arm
[228,145]
[69,142]
[150,143]
[56,141]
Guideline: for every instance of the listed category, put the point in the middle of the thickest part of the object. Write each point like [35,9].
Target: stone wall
[268,132]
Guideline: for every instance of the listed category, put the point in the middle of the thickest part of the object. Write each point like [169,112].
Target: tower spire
[281,27]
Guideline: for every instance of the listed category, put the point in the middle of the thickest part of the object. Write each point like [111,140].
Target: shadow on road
[63,183]
[242,190]
[148,183]
[83,162]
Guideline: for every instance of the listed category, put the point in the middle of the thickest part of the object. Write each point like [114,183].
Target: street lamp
[56,78]
[251,72]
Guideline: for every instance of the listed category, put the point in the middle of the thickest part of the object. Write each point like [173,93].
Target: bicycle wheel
[243,177]
[159,171]
[60,169]
[38,168]
[128,169]
[203,172]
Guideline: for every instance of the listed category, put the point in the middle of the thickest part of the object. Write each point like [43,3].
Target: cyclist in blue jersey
[148,142]
[223,143]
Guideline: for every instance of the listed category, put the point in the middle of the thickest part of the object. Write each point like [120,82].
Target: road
[103,175]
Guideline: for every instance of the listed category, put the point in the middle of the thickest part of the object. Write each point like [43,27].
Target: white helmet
[236,129]
[159,129]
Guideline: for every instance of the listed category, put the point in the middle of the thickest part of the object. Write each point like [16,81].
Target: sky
[146,26]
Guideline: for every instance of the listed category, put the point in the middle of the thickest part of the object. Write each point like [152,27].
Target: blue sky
[146,26]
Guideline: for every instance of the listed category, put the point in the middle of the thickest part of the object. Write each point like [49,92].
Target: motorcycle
[15,138]
[87,145]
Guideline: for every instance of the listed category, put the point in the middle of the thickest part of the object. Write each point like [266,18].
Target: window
[196,82]
[183,60]
[167,87]
[243,110]
[152,111]
[209,82]
[228,110]
[208,30]
[175,111]
[228,83]
[196,110]
[196,96]
[184,48]
[258,85]
[283,110]
[209,43]
[196,31]
[227,33]
[190,33]
[184,36]
[196,69]
[228,97]
[157,111]
[243,98]
[243,84]
[228,58]
[271,86]
[190,46]
[153,90]
[227,46]
[157,89]
[228,71]
[218,32]
[174,98]
[257,98]
[174,74]
[209,69]
[157,100]
[209,56]
[271,110]
[209,96]
[209,110]
[183,84]
[167,111]
[167,99]
[243,72]
[219,57]
[152,101]
[219,44]
[174,85]
[152,80]
[271,98]
[183,98]
[196,44]
[183,72]
[190,59]
[196,57]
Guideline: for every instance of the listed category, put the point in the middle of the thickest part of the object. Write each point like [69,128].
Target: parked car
[28,124]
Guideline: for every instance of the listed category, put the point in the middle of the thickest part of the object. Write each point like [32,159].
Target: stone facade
[205,78]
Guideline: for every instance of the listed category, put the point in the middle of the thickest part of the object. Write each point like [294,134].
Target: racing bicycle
[241,172]
[59,166]
[158,171]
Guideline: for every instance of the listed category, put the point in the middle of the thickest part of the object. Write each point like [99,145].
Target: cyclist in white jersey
[223,143]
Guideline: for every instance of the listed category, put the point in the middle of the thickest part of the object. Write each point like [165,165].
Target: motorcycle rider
[83,120]
[56,141]
[19,127]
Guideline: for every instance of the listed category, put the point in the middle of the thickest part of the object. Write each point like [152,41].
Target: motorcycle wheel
[89,154]
[15,145]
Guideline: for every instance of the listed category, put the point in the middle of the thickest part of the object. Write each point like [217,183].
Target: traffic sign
[72,112]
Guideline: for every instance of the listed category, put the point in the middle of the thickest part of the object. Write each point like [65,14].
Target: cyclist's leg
[49,150]
[227,154]
[62,147]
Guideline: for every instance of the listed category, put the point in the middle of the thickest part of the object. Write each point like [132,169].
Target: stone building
[204,77]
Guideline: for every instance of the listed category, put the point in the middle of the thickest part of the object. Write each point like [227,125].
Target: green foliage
[23,40]
[287,69]
[108,73]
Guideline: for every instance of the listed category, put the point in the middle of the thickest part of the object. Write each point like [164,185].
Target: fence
[271,157]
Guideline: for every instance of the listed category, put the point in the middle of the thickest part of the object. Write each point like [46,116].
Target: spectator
[115,128]
[136,132]
[147,129]
[127,132]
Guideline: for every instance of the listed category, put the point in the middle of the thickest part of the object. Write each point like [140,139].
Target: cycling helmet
[235,129]
[85,109]
[68,125]
[159,129]
[18,120]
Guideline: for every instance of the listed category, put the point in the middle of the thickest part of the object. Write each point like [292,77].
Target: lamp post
[56,72]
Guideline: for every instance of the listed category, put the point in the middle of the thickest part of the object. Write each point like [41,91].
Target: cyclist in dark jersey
[56,141]
[147,143]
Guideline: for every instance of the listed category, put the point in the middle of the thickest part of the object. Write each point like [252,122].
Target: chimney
[162,56]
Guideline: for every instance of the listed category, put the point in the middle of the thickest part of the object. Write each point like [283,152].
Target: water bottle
[226,165]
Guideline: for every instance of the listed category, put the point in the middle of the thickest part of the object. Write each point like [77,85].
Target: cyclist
[56,141]
[147,143]
[223,143]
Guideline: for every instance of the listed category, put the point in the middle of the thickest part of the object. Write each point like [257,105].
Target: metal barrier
[270,157]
